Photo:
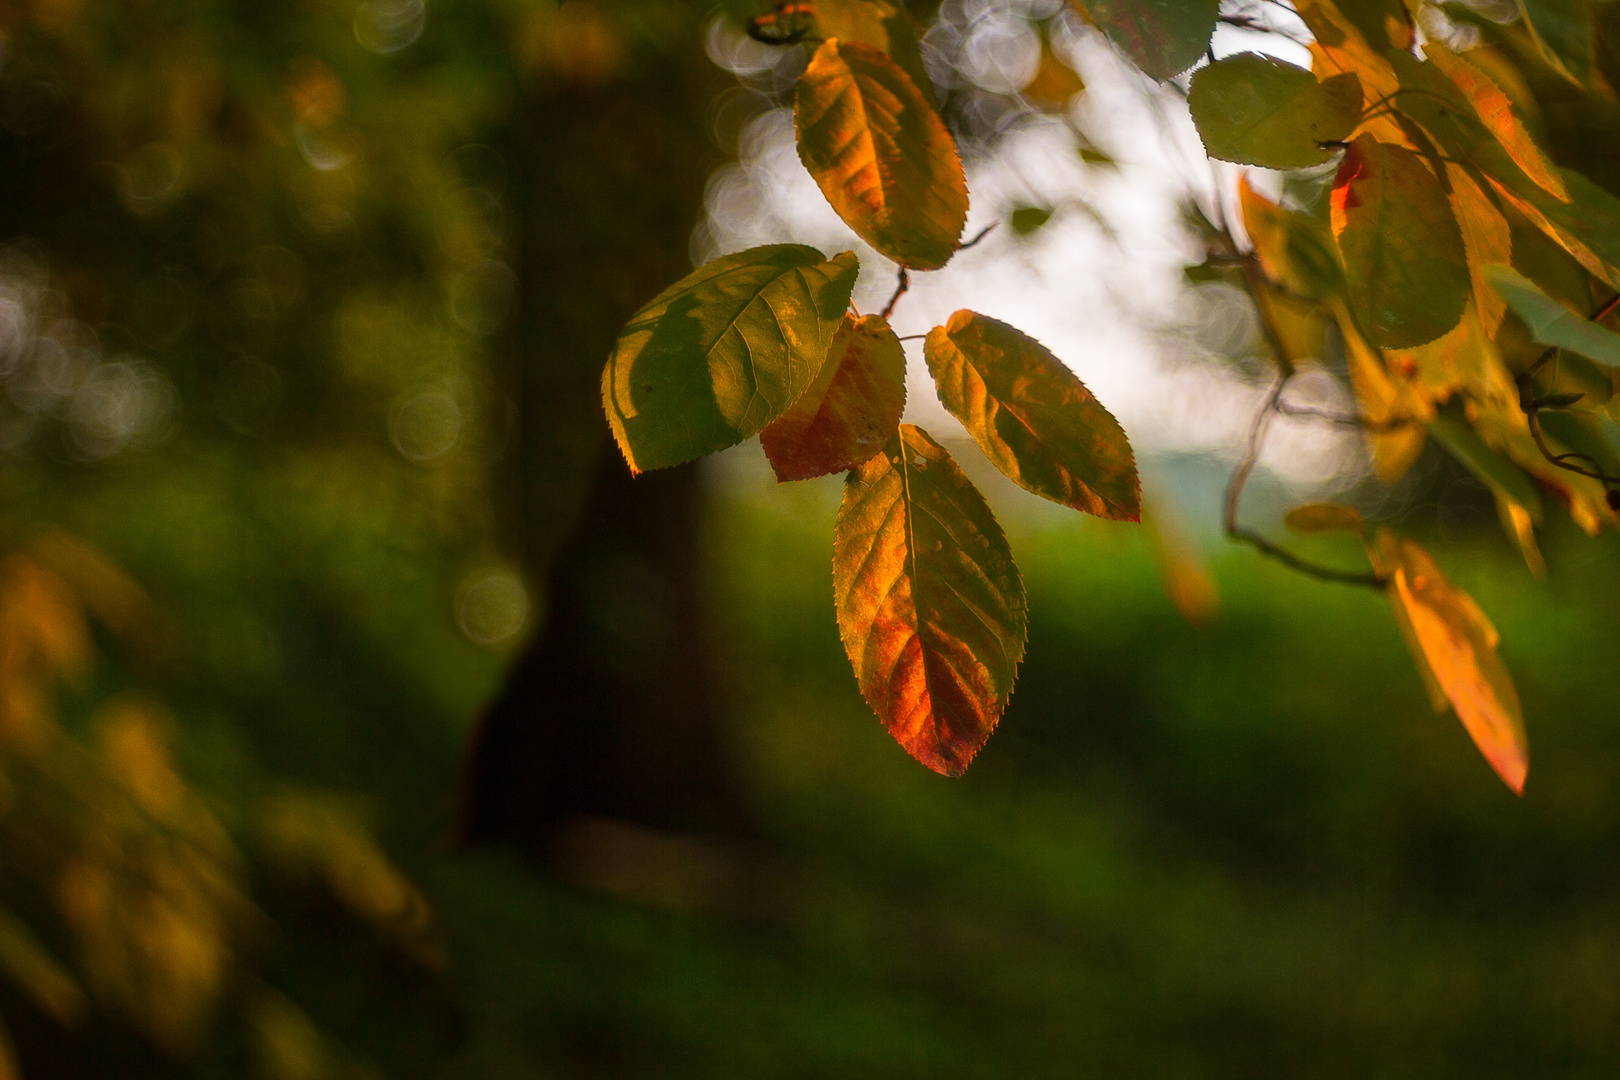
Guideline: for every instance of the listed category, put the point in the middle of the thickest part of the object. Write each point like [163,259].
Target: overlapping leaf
[1390,406]
[930,605]
[722,352]
[1550,322]
[1295,250]
[1162,37]
[1496,112]
[881,154]
[1404,259]
[1257,110]
[1456,643]
[1032,417]
[1564,32]
[1487,238]
[849,412]
[1340,48]
[882,25]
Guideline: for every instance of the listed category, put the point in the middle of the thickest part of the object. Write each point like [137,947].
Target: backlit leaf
[1550,322]
[1162,37]
[1458,643]
[1390,405]
[881,154]
[722,352]
[1032,417]
[851,409]
[1295,250]
[1341,48]
[1257,110]
[1028,219]
[1487,238]
[930,605]
[1324,517]
[882,25]
[1563,30]
[1055,82]
[1496,112]
[1404,259]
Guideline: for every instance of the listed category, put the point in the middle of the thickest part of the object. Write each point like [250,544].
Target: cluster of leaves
[1449,261]
[765,342]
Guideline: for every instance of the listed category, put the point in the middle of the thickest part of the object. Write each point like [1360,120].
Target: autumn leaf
[881,154]
[1550,322]
[1162,37]
[851,409]
[1496,112]
[1295,250]
[1457,643]
[1055,82]
[1324,517]
[1389,405]
[1340,48]
[723,352]
[884,26]
[930,605]
[1404,258]
[1256,110]
[1032,417]
[1487,238]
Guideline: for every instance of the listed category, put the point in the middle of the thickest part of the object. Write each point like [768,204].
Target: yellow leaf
[1341,49]
[1384,400]
[1496,112]
[1055,82]
[1458,643]
[1487,238]
[881,154]
[1324,517]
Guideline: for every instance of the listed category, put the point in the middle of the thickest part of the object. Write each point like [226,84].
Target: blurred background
[360,717]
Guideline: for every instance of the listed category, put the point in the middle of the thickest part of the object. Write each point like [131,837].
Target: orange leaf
[851,409]
[930,605]
[1458,643]
[1496,112]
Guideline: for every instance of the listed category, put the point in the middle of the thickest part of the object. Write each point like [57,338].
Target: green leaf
[1550,322]
[1404,260]
[1324,517]
[1032,417]
[1498,473]
[851,409]
[1162,37]
[881,154]
[930,605]
[1563,30]
[1028,219]
[1257,110]
[723,352]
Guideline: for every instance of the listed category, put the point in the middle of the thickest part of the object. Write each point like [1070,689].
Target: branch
[1234,498]
[1350,419]
[899,291]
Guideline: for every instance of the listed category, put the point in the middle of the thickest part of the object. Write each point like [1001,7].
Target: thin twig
[1234,498]
[1377,427]
[1532,412]
[984,232]
[899,291]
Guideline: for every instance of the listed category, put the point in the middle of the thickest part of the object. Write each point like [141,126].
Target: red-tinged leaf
[1404,259]
[1496,112]
[930,605]
[849,412]
[1032,417]
[1458,643]
[881,154]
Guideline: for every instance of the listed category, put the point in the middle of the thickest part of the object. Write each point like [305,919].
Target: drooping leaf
[1032,417]
[851,409]
[1257,110]
[1392,407]
[1458,644]
[930,605]
[1505,479]
[1324,517]
[1496,112]
[882,25]
[1405,263]
[1162,37]
[881,154]
[722,352]
[1563,30]
[1487,238]
[1550,322]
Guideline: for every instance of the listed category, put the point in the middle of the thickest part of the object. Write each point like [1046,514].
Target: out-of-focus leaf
[1257,110]
[1495,111]
[1341,48]
[1295,250]
[1032,417]
[1029,219]
[1405,263]
[26,964]
[1520,527]
[1295,327]
[1090,154]
[882,25]
[1563,30]
[1504,478]
[8,1055]
[1324,517]
[1463,358]
[1055,82]
[1487,238]
[851,409]
[1162,37]
[1458,643]
[1550,322]
[1384,24]
[930,605]
[1389,405]
[1587,227]
[1187,581]
[723,352]
[881,154]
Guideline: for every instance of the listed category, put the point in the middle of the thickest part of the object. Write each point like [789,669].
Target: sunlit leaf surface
[1403,253]
[881,154]
[1496,112]
[930,605]
[723,352]
[1162,37]
[1342,48]
[1487,238]
[1389,404]
[851,409]
[1032,417]
[1257,110]
[1458,643]
[1550,322]
[880,24]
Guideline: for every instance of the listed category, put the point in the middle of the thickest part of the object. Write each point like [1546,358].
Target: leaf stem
[1532,411]
[1234,499]
[899,291]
